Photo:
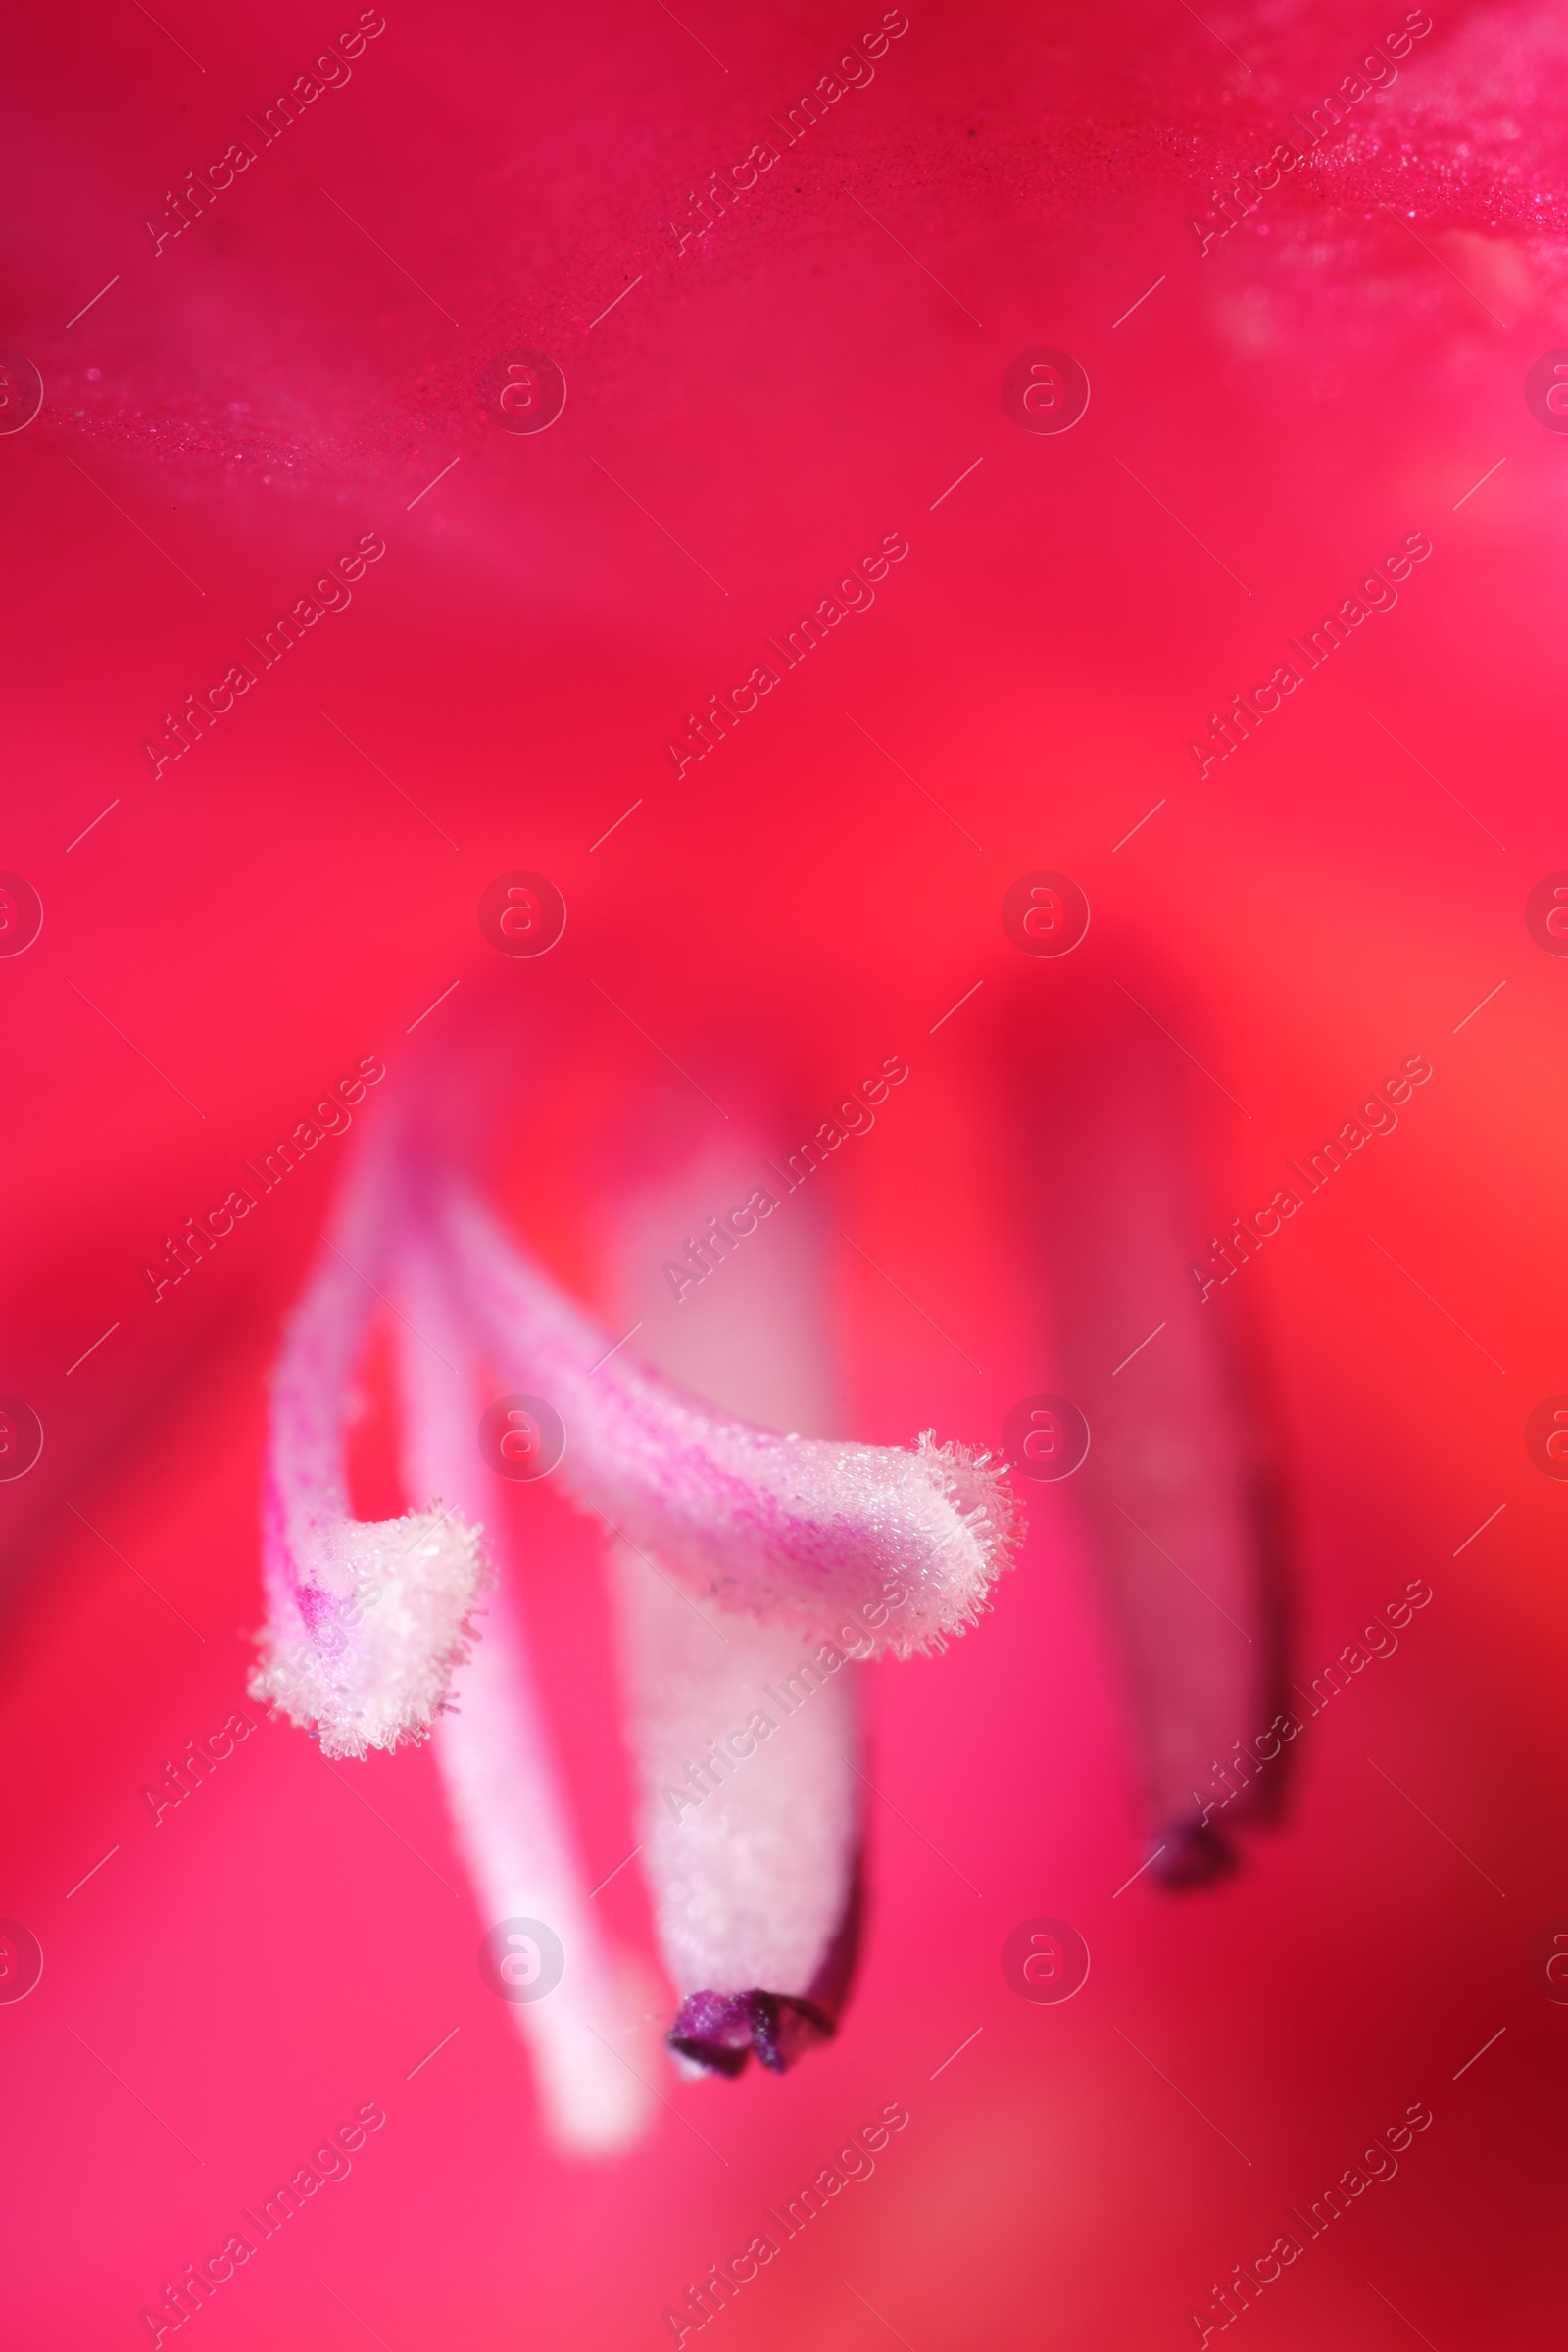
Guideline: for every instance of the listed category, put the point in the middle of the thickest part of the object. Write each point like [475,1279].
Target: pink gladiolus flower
[791,649]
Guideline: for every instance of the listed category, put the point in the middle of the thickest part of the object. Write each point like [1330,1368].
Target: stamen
[509,1810]
[745,1736]
[365,1619]
[784,1528]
